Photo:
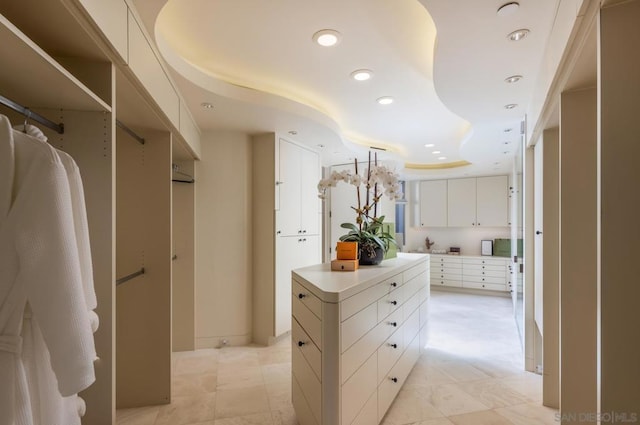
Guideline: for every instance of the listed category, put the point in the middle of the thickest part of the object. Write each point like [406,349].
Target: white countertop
[335,286]
[484,257]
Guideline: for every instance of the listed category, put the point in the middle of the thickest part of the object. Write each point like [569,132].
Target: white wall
[223,240]
[468,239]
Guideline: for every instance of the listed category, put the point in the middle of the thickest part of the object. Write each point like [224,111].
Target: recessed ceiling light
[518,34]
[362,74]
[327,38]
[513,79]
[435,152]
[508,9]
[442,157]
[385,100]
[207,105]
[292,132]
[510,106]
[429,145]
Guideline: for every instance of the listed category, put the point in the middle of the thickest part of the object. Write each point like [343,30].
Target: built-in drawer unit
[353,348]
[446,271]
[490,273]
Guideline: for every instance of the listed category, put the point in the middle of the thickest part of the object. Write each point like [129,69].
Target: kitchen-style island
[355,338]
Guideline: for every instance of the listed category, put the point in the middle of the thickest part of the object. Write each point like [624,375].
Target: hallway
[471,374]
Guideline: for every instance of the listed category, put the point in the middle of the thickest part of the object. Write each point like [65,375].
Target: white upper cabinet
[289,188]
[298,176]
[461,205]
[433,203]
[492,206]
[470,202]
[310,204]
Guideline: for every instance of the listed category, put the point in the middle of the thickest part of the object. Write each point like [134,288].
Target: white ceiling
[444,62]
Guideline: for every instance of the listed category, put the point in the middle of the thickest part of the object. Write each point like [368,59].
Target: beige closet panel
[578,252]
[183,270]
[143,239]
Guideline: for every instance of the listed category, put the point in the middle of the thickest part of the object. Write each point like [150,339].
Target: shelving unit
[83,90]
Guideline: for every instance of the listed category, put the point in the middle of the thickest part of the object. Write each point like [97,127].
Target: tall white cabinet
[286,228]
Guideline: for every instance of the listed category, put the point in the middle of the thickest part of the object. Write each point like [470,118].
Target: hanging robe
[39,263]
[48,406]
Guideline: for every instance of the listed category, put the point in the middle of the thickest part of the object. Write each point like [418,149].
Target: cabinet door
[461,202]
[289,184]
[310,204]
[287,251]
[292,252]
[433,203]
[492,205]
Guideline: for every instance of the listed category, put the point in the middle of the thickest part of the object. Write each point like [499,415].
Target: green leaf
[349,226]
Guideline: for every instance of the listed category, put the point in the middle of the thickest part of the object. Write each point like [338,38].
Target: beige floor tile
[193,384]
[241,402]
[196,364]
[461,372]
[426,375]
[529,414]
[256,419]
[239,356]
[488,417]
[451,400]
[137,416]
[277,373]
[187,410]
[440,421]
[274,356]
[410,406]
[230,377]
[284,416]
[496,369]
[279,396]
[493,393]
[528,384]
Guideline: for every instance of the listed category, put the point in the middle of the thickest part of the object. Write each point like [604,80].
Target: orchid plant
[377,181]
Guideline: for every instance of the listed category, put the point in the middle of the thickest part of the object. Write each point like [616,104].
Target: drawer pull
[393,323]
[393,302]
[301,296]
[394,284]
[301,343]
[393,345]
[394,379]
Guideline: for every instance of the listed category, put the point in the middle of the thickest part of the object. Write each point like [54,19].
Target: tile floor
[471,374]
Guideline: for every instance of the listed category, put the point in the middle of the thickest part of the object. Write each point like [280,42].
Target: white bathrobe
[47,405]
[39,264]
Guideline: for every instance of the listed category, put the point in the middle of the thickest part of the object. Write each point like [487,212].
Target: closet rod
[176,169]
[130,132]
[129,277]
[30,115]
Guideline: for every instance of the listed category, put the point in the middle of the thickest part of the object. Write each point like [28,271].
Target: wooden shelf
[34,79]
